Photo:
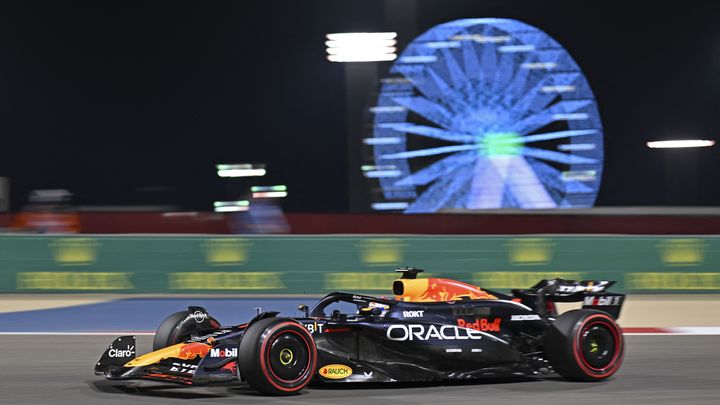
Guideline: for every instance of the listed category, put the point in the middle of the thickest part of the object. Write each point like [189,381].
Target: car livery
[433,329]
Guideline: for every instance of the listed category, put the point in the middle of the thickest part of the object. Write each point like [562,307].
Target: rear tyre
[277,356]
[585,345]
[178,328]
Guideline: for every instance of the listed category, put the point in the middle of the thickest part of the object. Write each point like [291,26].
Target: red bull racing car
[433,329]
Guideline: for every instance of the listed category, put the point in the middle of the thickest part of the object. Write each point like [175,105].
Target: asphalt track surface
[657,370]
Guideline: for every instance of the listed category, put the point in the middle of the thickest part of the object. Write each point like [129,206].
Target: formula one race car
[434,329]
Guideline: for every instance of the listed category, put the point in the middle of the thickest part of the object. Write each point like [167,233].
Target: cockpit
[347,307]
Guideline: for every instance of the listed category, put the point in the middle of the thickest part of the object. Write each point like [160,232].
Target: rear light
[550,308]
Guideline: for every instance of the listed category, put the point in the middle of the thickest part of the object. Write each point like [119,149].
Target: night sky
[135,102]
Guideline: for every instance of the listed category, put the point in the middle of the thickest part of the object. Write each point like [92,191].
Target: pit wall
[317,264]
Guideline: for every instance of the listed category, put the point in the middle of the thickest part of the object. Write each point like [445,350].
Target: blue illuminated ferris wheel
[485,114]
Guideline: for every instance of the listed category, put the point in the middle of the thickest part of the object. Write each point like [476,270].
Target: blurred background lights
[279,191]
[231,206]
[240,170]
[382,206]
[687,143]
[361,46]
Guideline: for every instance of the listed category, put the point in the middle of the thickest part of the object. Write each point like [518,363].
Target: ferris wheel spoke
[443,167]
[426,81]
[470,58]
[444,89]
[488,57]
[562,110]
[429,152]
[558,157]
[553,178]
[518,85]
[504,73]
[428,109]
[457,76]
[440,193]
[430,132]
[550,175]
[487,189]
[532,99]
[527,188]
[558,135]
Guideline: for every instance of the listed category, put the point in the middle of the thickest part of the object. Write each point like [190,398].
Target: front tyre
[277,356]
[585,345]
[179,327]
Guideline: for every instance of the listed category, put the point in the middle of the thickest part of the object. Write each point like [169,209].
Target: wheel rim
[288,357]
[598,346]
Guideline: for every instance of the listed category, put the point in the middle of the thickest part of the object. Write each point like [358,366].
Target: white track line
[706,330]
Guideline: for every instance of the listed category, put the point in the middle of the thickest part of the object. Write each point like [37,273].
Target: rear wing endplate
[592,293]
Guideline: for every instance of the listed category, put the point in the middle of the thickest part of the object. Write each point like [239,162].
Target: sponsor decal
[471,311]
[603,301]
[199,316]
[315,327]
[525,318]
[75,251]
[413,314]
[381,252]
[224,353]
[412,332]
[530,251]
[231,367]
[71,280]
[183,368]
[682,252]
[129,351]
[590,287]
[368,375]
[335,371]
[226,251]
[192,350]
[210,336]
[453,350]
[482,324]
[225,280]
[673,281]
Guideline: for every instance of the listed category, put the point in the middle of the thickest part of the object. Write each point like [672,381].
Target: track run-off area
[658,369]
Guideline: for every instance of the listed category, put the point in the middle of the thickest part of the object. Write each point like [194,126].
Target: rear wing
[592,293]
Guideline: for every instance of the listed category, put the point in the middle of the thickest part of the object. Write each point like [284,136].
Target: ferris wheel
[485,114]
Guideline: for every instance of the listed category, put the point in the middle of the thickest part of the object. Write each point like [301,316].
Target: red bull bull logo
[439,289]
[192,350]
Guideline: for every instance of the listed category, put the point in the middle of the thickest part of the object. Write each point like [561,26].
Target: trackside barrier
[318,264]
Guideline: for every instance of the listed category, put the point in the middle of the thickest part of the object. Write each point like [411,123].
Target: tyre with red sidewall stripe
[585,345]
[277,356]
